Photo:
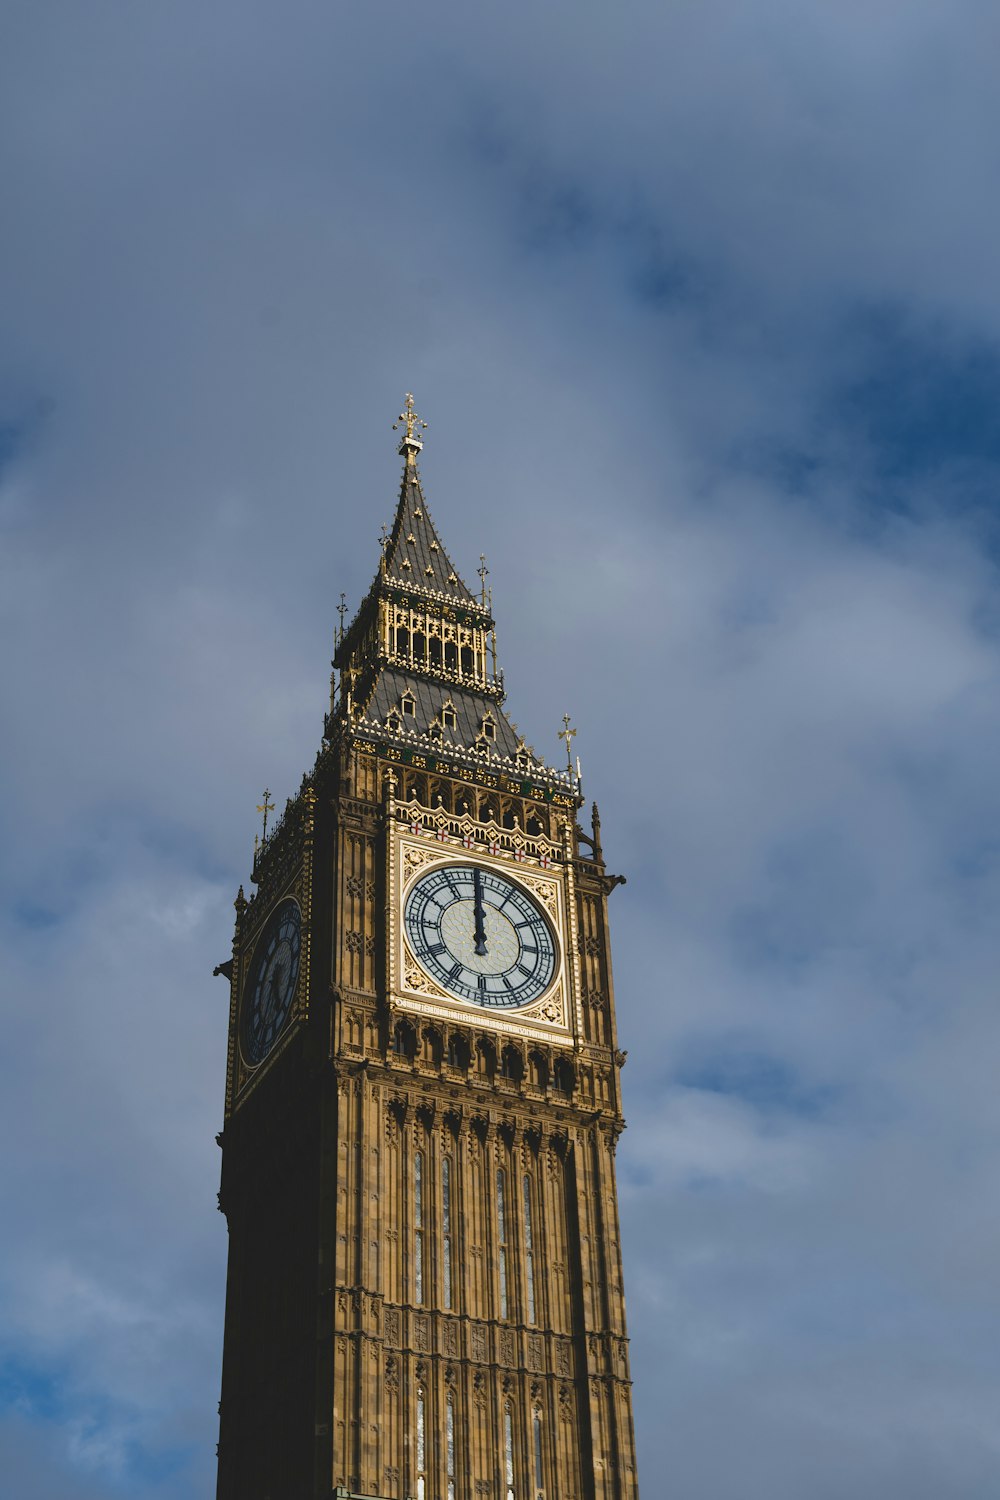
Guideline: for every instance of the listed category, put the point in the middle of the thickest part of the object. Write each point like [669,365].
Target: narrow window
[450,1446]
[502,1238]
[529,1250]
[446,1227]
[448,718]
[421,1445]
[538,1458]
[418,1227]
[409,706]
[508,1451]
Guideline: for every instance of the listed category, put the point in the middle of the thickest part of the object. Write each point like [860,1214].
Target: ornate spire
[412,553]
[410,444]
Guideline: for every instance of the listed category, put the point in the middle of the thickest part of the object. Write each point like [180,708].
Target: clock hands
[272,994]
[479,934]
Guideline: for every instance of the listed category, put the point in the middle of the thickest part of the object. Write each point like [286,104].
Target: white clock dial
[480,936]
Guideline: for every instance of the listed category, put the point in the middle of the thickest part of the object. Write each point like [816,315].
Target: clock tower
[424,1297]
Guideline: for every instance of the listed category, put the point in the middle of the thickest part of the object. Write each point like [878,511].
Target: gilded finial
[567,734]
[342,611]
[410,443]
[484,573]
[265,807]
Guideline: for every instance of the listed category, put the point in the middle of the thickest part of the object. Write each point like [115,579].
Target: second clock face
[269,993]
[480,936]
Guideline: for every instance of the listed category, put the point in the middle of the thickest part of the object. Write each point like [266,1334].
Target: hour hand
[479,934]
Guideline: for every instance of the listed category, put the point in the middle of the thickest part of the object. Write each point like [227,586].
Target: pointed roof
[414,554]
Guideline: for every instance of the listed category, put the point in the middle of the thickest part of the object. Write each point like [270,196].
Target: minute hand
[479,934]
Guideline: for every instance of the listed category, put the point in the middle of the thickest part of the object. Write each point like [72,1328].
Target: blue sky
[701,304]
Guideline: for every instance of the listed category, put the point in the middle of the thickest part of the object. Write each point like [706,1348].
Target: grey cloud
[627,259]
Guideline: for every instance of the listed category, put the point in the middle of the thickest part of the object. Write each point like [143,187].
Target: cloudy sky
[701,302]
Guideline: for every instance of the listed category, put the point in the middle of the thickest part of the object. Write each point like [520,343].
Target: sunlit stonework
[422,1102]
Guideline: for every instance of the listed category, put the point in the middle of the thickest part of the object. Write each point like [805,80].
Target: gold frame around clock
[421,839]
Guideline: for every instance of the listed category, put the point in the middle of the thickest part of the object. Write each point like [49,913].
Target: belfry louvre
[424,1292]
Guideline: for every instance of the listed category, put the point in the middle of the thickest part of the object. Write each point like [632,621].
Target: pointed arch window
[421,1444]
[529,1250]
[508,1451]
[446,1228]
[502,1238]
[418,1227]
[449,1445]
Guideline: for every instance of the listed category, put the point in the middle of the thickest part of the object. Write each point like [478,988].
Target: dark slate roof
[430,697]
[414,555]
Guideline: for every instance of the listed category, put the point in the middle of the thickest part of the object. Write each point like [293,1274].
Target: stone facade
[425,1289]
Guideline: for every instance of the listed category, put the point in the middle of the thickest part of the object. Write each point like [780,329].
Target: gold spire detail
[265,807]
[410,443]
[568,734]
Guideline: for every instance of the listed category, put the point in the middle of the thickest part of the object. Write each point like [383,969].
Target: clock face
[267,998]
[480,936]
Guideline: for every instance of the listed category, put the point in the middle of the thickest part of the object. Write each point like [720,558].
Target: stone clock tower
[422,1098]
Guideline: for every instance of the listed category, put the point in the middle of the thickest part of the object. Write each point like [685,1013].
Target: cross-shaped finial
[408,417]
[265,807]
[567,734]
[342,611]
[483,572]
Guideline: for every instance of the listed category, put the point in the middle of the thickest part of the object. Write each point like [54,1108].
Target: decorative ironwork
[567,734]
[265,807]
[409,418]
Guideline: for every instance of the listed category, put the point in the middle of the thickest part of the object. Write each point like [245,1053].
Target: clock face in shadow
[267,999]
[480,936]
